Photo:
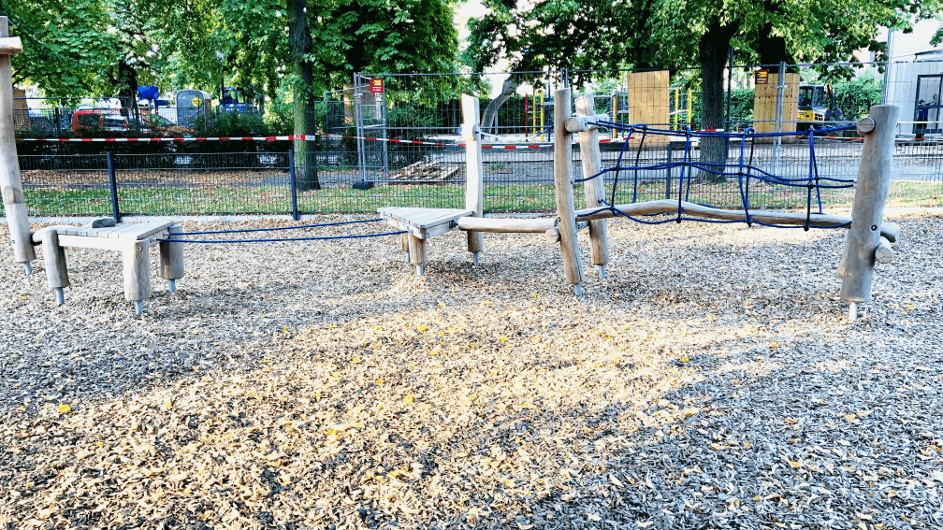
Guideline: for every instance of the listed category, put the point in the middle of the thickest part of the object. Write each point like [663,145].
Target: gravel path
[711,382]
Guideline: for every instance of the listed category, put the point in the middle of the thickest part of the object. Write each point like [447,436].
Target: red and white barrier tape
[306,137]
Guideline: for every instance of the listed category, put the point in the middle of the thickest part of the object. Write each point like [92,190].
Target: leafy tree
[310,46]
[601,34]
[65,44]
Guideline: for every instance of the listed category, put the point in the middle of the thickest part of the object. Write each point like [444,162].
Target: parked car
[87,122]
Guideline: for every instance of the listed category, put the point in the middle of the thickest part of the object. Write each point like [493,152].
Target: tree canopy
[599,34]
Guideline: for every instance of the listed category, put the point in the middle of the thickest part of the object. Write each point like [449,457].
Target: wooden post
[57,273]
[474,170]
[593,189]
[867,212]
[137,278]
[404,245]
[171,258]
[14,202]
[417,253]
[563,184]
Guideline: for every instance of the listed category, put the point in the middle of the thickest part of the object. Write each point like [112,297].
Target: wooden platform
[109,238]
[132,240]
[424,223]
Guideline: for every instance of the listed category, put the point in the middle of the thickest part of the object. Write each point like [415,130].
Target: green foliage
[856,97]
[741,107]
[231,124]
[65,44]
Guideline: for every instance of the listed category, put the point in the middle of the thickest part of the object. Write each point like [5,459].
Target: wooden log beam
[585,123]
[874,177]
[10,45]
[593,189]
[563,185]
[474,172]
[11,186]
[884,254]
[505,226]
[888,229]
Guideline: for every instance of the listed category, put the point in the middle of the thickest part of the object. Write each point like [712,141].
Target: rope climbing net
[743,169]
[177,236]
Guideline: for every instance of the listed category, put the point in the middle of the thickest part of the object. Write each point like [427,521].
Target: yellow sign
[197,101]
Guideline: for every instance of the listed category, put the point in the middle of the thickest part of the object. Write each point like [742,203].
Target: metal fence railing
[354,170]
[515,180]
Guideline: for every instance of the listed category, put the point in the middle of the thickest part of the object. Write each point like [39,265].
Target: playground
[711,379]
[704,364]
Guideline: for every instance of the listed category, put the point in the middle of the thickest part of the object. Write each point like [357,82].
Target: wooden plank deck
[424,217]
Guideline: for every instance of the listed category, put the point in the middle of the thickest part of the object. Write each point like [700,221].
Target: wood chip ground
[712,381]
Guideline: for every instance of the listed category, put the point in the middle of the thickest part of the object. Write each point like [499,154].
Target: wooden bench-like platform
[132,240]
[421,224]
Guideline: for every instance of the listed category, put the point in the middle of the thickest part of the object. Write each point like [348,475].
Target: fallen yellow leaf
[64,409]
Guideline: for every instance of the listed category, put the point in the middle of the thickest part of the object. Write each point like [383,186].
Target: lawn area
[233,200]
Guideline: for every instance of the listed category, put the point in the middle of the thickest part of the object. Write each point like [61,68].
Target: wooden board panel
[132,232]
[424,217]
[648,101]
[764,107]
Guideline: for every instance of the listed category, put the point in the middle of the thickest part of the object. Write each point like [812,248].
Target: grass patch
[233,200]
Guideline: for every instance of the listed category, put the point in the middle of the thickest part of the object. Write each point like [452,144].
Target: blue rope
[274,229]
[206,241]
[743,171]
[618,212]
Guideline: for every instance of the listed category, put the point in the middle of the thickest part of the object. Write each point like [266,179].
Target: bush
[856,97]
[741,107]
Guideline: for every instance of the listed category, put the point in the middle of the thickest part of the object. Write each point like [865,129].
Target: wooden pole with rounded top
[867,211]
[14,203]
[593,189]
[563,184]
[474,170]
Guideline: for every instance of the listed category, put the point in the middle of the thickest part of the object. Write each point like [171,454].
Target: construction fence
[355,167]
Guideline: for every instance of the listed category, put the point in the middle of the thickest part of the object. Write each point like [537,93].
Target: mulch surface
[711,381]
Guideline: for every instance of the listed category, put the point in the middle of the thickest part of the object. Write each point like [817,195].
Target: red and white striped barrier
[306,137]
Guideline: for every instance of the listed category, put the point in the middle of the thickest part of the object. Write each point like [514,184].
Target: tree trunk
[128,90]
[300,46]
[491,111]
[712,52]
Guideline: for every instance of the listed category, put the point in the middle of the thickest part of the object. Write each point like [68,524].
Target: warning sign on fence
[761,76]
[376,86]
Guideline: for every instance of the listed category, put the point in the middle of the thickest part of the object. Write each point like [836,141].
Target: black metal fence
[515,180]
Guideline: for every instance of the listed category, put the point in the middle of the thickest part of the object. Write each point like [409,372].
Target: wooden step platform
[421,224]
[133,240]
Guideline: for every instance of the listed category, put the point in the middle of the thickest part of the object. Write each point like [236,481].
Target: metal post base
[419,270]
[578,289]
[407,257]
[60,296]
[602,271]
[139,307]
[852,311]
[475,257]
[28,268]
[171,285]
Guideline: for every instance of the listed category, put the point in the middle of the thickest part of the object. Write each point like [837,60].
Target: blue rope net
[176,237]
[743,169]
